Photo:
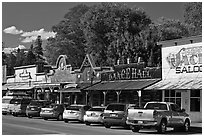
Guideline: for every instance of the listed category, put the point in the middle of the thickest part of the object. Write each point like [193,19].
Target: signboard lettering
[130,73]
[187,60]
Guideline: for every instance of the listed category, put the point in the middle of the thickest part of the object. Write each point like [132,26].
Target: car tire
[15,114]
[186,126]
[162,127]
[29,116]
[66,121]
[87,123]
[135,128]
[107,125]
[60,117]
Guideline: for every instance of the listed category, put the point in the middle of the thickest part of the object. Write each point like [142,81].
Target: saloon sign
[186,60]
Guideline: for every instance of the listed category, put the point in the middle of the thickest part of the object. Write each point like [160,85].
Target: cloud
[20,47]
[12,30]
[9,50]
[27,37]
[31,36]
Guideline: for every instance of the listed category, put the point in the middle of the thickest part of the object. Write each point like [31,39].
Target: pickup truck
[159,115]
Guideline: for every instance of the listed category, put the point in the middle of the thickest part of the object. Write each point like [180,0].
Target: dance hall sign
[184,59]
[131,72]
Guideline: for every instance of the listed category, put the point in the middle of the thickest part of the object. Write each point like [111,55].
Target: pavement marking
[54,132]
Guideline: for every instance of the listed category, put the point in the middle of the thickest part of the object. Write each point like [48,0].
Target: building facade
[125,84]
[182,75]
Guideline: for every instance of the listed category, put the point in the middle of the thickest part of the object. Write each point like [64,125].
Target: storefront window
[195,100]
[173,96]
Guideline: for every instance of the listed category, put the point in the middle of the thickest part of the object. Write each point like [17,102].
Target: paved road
[37,126]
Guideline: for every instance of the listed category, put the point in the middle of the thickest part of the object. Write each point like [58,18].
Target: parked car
[75,112]
[18,106]
[158,115]
[52,111]
[34,108]
[94,115]
[5,104]
[115,114]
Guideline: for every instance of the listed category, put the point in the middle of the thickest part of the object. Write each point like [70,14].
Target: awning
[69,90]
[173,84]
[46,85]
[123,85]
[17,86]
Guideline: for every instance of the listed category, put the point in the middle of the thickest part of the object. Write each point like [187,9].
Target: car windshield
[15,101]
[157,106]
[76,108]
[6,100]
[116,107]
[37,103]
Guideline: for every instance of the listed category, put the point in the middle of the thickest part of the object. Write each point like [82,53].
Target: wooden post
[118,96]
[104,97]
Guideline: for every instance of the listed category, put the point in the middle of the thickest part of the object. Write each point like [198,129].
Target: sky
[22,22]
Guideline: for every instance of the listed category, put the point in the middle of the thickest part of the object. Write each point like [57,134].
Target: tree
[20,56]
[69,39]
[193,16]
[10,62]
[111,31]
[161,30]
[38,52]
[4,56]
[30,58]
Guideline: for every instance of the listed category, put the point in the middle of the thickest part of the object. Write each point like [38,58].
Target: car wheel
[15,115]
[29,116]
[107,125]
[87,123]
[60,118]
[186,126]
[135,128]
[66,121]
[162,127]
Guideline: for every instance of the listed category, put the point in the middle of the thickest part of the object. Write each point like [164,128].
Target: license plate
[140,122]
[47,111]
[32,109]
[113,115]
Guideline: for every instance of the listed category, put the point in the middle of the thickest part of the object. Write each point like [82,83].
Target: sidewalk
[193,124]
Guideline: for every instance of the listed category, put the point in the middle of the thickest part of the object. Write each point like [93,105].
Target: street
[37,126]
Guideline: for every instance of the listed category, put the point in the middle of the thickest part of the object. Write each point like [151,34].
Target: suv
[34,108]
[115,114]
[75,112]
[52,111]
[5,104]
[18,106]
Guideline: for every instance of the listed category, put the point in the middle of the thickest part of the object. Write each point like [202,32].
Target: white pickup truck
[158,115]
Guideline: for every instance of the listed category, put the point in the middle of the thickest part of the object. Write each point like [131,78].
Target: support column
[60,101]
[139,95]
[118,96]
[87,92]
[75,98]
[35,94]
[104,97]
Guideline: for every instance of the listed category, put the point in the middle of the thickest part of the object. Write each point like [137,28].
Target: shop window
[195,100]
[173,96]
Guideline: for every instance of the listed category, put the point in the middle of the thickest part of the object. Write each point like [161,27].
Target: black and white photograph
[101,68]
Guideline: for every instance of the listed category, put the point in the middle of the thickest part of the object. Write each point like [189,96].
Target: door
[176,119]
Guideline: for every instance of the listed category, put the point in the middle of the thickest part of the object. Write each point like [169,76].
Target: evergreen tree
[30,57]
